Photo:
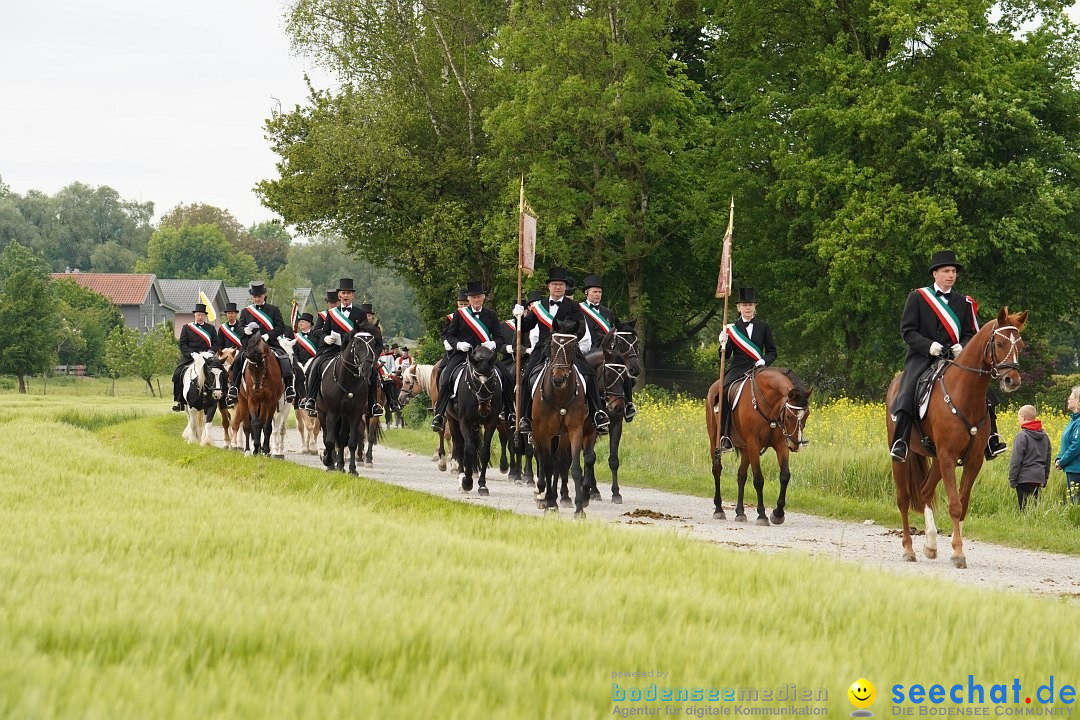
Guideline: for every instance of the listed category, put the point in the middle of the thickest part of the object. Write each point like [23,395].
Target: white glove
[490,345]
[760,363]
[518,311]
[250,328]
[723,340]
[509,349]
[266,337]
[447,346]
[956,349]
[332,339]
[464,346]
[936,349]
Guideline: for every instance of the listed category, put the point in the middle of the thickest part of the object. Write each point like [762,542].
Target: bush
[1057,394]
[418,412]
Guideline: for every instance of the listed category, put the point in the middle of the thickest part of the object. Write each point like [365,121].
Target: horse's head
[358,353]
[624,343]
[481,377]
[409,385]
[258,356]
[1002,353]
[226,356]
[562,351]
[215,378]
[795,414]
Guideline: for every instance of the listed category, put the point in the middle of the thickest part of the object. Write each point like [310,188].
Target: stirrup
[994,446]
[178,407]
[725,444]
[377,410]
[629,411]
[899,451]
[601,421]
[524,425]
[290,394]
[437,424]
[232,396]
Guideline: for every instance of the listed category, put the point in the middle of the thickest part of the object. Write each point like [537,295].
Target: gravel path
[989,565]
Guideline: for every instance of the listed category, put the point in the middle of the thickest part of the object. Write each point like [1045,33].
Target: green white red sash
[261,317]
[383,372]
[305,343]
[511,324]
[744,343]
[944,313]
[202,333]
[233,337]
[542,314]
[341,320]
[596,317]
[475,325]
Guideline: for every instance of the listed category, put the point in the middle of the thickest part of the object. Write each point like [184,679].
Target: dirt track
[990,566]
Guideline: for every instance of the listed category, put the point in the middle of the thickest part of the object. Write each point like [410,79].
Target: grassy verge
[844,473]
[143,577]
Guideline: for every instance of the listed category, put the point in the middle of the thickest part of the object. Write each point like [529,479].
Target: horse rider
[340,321]
[388,369]
[472,325]
[599,321]
[229,333]
[406,360]
[261,318]
[304,350]
[331,303]
[543,315]
[937,322]
[747,343]
[196,337]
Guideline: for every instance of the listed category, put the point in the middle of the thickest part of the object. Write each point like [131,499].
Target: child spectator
[1030,464]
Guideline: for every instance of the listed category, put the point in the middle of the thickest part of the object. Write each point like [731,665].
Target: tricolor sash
[342,320]
[202,333]
[511,324]
[596,317]
[475,325]
[233,337]
[542,314]
[261,317]
[305,343]
[322,315]
[383,372]
[944,313]
[744,343]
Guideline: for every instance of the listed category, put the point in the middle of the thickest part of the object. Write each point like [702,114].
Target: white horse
[200,405]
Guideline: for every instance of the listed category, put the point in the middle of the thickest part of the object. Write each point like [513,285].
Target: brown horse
[559,413]
[771,412]
[226,356]
[957,423]
[262,392]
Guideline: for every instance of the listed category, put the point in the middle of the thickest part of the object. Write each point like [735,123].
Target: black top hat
[331,295]
[571,285]
[475,287]
[557,274]
[747,295]
[307,316]
[461,296]
[200,307]
[393,346]
[256,288]
[346,284]
[534,296]
[230,307]
[592,281]
[404,349]
[366,307]
[943,258]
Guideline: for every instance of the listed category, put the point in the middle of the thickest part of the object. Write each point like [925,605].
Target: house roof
[121,288]
[185,293]
[238,295]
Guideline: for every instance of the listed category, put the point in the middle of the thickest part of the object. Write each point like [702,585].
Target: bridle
[625,344]
[997,368]
[482,386]
[788,411]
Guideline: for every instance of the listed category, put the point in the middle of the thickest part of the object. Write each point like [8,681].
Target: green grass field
[143,577]
[844,473]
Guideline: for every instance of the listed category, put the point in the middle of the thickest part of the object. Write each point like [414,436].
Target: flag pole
[725,268]
[518,299]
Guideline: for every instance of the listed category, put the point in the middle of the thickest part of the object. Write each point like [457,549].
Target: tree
[155,354]
[28,319]
[196,252]
[202,214]
[268,242]
[119,356]
[93,315]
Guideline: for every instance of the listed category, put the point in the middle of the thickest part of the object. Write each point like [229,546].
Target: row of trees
[856,137]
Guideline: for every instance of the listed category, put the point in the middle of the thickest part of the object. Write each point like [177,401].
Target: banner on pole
[723,281]
[527,252]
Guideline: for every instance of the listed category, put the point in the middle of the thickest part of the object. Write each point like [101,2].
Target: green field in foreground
[142,577]
[844,473]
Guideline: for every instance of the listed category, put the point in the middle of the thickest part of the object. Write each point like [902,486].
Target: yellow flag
[210,314]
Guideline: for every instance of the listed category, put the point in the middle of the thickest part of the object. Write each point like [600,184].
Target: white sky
[163,101]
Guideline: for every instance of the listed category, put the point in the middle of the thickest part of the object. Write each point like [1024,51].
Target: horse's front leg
[356,441]
[485,458]
[267,432]
[717,470]
[956,512]
[614,439]
[255,433]
[759,488]
[784,457]
[461,438]
[581,489]
[927,501]
[588,453]
[740,476]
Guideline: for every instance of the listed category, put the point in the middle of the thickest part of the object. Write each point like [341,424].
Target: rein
[357,367]
[786,410]
[562,343]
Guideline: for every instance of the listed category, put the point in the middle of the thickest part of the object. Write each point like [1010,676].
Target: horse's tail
[375,431]
[916,469]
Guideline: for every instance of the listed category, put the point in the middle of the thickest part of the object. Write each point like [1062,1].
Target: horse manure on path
[652,514]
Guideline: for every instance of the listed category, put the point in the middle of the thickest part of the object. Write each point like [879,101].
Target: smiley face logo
[862,694]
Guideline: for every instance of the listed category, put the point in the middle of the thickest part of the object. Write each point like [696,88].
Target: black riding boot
[725,426]
[234,379]
[899,448]
[373,395]
[994,445]
[440,405]
[287,378]
[629,410]
[600,417]
[314,371]
[178,389]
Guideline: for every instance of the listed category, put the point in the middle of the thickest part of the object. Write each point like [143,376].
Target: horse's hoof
[959,562]
[566,502]
[740,518]
[553,509]
[776,519]
[540,504]
[503,467]
[719,515]
[354,473]
[594,494]
[580,515]
[762,521]
[930,553]
[482,491]
[616,499]
[368,463]
[909,556]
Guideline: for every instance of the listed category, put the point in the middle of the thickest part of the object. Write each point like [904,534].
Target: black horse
[516,455]
[616,366]
[475,405]
[343,401]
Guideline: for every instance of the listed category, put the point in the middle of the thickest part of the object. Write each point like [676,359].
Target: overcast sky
[163,101]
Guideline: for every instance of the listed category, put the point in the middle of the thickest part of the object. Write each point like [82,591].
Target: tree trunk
[22,384]
[150,385]
[635,281]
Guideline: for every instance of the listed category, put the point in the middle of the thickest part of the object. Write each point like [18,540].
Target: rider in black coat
[261,318]
[599,321]
[195,337]
[746,344]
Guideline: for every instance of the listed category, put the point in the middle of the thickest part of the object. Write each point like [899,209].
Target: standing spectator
[1030,465]
[1068,458]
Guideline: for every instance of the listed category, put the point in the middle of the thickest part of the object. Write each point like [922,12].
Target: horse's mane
[802,391]
[423,375]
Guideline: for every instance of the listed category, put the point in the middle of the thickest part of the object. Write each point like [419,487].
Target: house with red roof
[138,296]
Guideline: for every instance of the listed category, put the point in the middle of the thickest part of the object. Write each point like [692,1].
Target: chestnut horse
[957,423]
[771,412]
[559,412]
[262,399]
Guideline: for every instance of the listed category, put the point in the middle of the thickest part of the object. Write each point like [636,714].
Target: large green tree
[93,316]
[268,242]
[197,252]
[29,325]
